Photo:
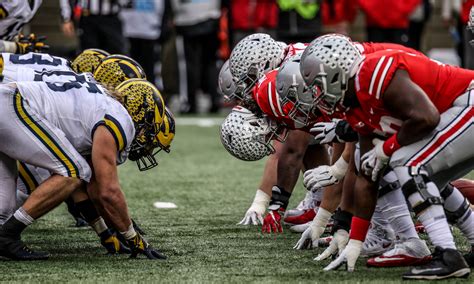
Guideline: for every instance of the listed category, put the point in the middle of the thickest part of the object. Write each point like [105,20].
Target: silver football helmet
[226,81]
[252,57]
[328,63]
[248,137]
[292,90]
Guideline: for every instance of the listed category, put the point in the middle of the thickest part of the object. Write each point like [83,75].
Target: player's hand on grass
[112,243]
[349,255]
[254,215]
[310,237]
[278,204]
[272,222]
[338,243]
[139,245]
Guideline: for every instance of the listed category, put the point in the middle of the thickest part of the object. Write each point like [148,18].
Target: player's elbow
[430,120]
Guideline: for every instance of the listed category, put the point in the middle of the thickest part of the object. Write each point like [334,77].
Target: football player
[381,95]
[109,131]
[250,60]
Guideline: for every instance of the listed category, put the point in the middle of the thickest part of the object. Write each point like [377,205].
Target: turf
[212,191]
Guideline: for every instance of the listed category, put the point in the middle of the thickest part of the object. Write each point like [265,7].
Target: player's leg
[32,139]
[8,174]
[410,250]
[440,153]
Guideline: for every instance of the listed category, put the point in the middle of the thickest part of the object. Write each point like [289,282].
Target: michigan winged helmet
[167,131]
[115,69]
[88,60]
[145,105]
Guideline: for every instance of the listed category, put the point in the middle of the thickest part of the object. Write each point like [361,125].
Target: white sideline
[199,121]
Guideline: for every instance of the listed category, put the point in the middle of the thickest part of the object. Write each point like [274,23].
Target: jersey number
[74,81]
[35,59]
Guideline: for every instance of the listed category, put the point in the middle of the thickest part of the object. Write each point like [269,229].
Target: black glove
[139,245]
[345,132]
[32,43]
[112,244]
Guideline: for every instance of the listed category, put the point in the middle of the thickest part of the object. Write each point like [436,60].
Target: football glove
[349,255]
[32,43]
[374,161]
[325,132]
[310,237]
[325,175]
[337,244]
[139,245]
[254,214]
[112,244]
[278,204]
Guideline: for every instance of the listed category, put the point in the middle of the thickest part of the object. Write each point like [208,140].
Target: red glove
[272,222]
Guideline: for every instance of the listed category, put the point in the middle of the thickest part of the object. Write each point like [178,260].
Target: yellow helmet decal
[115,69]
[88,60]
[167,131]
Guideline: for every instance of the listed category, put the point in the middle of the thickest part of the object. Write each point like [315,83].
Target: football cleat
[146,107]
[307,216]
[446,263]
[378,241]
[115,69]
[310,201]
[408,253]
[88,60]
[17,250]
[300,228]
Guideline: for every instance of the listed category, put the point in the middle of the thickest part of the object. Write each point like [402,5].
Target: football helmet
[115,69]
[88,60]
[146,106]
[293,92]
[248,137]
[167,132]
[226,81]
[328,63]
[252,57]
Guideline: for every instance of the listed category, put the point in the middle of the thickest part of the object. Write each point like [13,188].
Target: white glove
[310,237]
[349,255]
[254,215]
[338,243]
[325,132]
[325,175]
[374,161]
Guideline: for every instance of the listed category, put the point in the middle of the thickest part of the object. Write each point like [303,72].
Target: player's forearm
[416,128]
[364,197]
[332,197]
[111,203]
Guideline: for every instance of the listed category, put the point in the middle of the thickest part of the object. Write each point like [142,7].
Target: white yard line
[200,121]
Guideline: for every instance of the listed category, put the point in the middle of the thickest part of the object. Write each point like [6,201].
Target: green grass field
[212,191]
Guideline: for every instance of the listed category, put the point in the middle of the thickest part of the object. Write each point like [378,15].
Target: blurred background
[182,43]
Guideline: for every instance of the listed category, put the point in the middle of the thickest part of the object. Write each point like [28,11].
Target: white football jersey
[78,109]
[14,65]
[14,14]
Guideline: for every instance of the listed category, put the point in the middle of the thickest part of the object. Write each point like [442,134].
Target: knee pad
[458,213]
[419,184]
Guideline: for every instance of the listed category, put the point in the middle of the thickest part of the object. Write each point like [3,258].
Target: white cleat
[378,241]
[408,253]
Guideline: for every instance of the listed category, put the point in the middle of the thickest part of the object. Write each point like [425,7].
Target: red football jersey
[265,94]
[371,47]
[294,48]
[442,83]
